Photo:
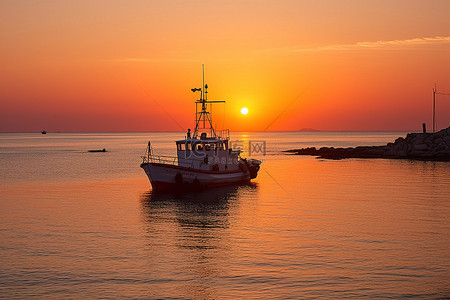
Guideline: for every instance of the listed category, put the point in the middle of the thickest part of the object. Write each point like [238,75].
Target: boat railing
[149,157]
[170,160]
[223,134]
[163,159]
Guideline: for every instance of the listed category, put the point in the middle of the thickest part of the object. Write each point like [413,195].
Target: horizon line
[178,131]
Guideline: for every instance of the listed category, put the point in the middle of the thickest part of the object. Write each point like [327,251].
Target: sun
[244,110]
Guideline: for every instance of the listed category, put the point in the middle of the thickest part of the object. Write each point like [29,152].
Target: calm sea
[75,224]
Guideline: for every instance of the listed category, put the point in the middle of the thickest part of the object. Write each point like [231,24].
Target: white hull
[167,176]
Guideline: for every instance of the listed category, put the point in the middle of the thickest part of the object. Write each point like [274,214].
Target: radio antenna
[203,85]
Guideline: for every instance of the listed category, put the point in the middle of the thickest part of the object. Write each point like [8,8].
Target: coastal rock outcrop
[418,146]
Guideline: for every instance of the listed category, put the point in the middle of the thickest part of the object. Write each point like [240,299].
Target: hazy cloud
[155,60]
[378,44]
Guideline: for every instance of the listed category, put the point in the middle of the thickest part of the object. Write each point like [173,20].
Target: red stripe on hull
[192,170]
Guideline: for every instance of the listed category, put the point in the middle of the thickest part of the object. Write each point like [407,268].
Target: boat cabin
[209,154]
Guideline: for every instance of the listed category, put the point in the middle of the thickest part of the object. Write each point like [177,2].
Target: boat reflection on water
[202,196]
[208,208]
[190,237]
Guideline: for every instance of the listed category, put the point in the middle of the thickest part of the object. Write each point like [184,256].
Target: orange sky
[130,65]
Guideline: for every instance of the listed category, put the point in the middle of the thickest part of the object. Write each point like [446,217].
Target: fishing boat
[204,159]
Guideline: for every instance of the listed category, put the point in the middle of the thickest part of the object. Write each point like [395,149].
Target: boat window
[207,147]
[188,146]
[200,147]
[180,147]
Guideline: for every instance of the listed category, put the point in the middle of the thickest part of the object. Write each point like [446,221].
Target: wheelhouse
[207,154]
[202,145]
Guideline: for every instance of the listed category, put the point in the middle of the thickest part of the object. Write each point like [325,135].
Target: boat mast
[203,93]
[204,115]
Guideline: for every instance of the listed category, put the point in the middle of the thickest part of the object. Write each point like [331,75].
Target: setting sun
[244,110]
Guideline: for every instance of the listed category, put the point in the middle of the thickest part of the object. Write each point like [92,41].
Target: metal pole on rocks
[434,105]
[434,109]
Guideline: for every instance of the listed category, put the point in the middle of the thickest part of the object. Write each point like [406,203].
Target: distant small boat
[102,150]
[44,132]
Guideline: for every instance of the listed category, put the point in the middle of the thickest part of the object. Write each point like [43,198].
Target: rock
[399,140]
[307,151]
[438,141]
[419,146]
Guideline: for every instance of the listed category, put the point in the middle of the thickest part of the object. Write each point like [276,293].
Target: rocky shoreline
[417,146]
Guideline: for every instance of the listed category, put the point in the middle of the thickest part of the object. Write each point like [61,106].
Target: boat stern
[253,167]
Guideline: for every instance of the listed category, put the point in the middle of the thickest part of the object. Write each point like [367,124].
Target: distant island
[417,146]
[308,129]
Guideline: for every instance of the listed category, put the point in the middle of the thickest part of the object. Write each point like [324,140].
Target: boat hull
[167,177]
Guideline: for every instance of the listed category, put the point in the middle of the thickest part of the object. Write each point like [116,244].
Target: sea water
[77,224]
